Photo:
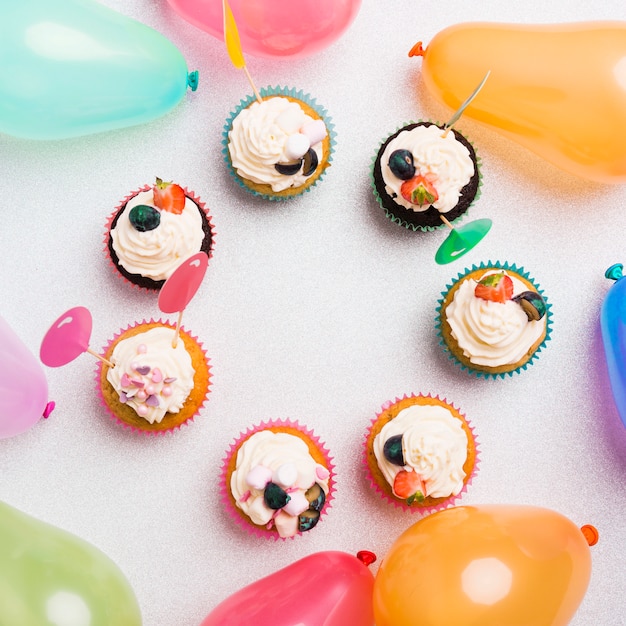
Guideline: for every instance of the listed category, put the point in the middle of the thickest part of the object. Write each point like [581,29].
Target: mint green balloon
[75,67]
[49,577]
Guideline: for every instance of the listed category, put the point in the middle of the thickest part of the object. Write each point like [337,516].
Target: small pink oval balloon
[275,28]
[323,589]
[67,338]
[179,289]
[23,385]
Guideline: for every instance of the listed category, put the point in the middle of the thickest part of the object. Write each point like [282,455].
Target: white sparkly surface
[319,310]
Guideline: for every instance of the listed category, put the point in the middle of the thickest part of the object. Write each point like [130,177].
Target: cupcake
[422,173]
[153,230]
[277,479]
[153,386]
[280,147]
[420,453]
[493,320]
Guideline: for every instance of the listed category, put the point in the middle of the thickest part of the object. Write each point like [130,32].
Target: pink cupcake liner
[190,194]
[231,509]
[401,504]
[111,412]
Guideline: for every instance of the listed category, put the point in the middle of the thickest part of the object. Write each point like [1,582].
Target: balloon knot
[590,533]
[417,50]
[192,80]
[49,408]
[366,557]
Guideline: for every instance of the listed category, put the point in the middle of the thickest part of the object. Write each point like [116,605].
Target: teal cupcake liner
[398,220]
[492,265]
[278,91]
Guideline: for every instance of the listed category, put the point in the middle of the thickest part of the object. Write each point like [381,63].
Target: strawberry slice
[169,197]
[419,190]
[409,486]
[495,287]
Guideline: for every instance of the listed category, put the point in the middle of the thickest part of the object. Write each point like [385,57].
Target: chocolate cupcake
[422,173]
[153,230]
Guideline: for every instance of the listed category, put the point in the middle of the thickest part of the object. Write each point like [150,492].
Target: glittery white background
[319,310]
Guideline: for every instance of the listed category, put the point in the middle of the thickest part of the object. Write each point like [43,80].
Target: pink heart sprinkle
[136,383]
[157,376]
[169,380]
[125,380]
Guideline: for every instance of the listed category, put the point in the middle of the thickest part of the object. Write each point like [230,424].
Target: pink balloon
[275,28]
[323,589]
[67,338]
[23,385]
[179,289]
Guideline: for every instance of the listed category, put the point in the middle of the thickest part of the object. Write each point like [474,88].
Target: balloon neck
[614,272]
[417,50]
[192,80]
[49,408]
[366,557]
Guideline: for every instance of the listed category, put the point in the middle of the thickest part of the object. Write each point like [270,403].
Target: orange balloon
[557,89]
[491,565]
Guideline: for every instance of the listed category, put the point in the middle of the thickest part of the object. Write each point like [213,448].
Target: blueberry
[401,164]
[393,450]
[144,217]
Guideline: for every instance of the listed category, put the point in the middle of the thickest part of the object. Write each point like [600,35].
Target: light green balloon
[75,67]
[49,577]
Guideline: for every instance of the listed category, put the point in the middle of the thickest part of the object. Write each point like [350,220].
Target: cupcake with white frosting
[153,230]
[279,147]
[277,479]
[154,379]
[420,453]
[493,320]
[422,173]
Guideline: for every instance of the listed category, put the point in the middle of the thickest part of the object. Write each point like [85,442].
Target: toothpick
[254,89]
[101,358]
[177,332]
[457,114]
[446,222]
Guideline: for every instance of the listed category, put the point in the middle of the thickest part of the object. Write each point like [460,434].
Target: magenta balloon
[23,385]
[323,589]
[275,28]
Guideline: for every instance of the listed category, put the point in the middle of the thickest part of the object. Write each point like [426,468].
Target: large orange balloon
[492,565]
[557,89]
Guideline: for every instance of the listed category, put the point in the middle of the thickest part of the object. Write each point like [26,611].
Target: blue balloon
[75,67]
[613,324]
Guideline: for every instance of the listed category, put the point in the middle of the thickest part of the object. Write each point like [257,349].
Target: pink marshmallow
[315,131]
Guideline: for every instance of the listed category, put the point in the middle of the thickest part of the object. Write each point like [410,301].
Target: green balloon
[49,577]
[75,67]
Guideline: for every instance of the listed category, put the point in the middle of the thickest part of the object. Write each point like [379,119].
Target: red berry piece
[169,197]
[495,287]
[418,190]
[409,486]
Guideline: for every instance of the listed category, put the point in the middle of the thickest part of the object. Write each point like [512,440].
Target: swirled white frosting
[434,446]
[150,375]
[157,253]
[258,140]
[492,333]
[278,455]
[444,161]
